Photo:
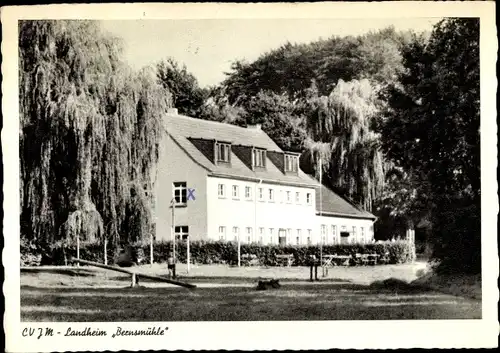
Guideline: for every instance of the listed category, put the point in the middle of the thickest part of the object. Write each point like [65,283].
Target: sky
[208,47]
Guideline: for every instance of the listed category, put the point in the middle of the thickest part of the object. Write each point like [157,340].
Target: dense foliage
[187,96]
[430,132]
[89,135]
[291,68]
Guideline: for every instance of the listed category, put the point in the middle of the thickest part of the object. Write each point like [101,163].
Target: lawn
[229,294]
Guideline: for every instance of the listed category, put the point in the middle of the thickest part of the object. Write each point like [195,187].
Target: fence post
[105,251]
[414,249]
[151,250]
[78,249]
[188,254]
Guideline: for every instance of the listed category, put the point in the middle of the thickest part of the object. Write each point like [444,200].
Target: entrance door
[282,236]
[344,237]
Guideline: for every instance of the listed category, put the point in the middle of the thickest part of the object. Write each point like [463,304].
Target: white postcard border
[257,335]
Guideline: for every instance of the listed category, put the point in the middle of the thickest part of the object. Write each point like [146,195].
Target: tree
[187,96]
[217,108]
[290,68]
[431,130]
[277,116]
[89,135]
[340,132]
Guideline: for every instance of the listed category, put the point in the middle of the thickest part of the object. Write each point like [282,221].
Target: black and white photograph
[248,170]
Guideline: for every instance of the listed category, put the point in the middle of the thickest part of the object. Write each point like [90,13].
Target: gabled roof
[328,203]
[182,128]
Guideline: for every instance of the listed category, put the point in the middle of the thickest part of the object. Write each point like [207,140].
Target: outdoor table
[340,259]
[249,260]
[367,258]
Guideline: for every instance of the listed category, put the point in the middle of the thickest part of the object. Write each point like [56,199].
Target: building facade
[221,182]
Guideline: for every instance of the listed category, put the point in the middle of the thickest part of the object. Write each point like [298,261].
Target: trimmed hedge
[203,252]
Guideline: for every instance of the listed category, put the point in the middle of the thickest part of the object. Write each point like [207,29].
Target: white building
[229,181]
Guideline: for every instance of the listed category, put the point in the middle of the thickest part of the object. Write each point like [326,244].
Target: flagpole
[173,229]
[321,214]
[188,260]
[239,250]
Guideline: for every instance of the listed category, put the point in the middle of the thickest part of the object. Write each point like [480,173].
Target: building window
[180,195]
[362,235]
[289,235]
[281,196]
[236,192]
[323,233]
[261,234]
[309,236]
[271,235]
[354,232]
[271,195]
[261,194]
[334,234]
[299,236]
[288,197]
[259,158]
[236,233]
[291,163]
[222,233]
[222,151]
[308,198]
[248,192]
[249,234]
[221,190]
[297,197]
[181,232]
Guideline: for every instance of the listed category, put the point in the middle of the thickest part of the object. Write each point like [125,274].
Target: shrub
[208,252]
[30,254]
[457,240]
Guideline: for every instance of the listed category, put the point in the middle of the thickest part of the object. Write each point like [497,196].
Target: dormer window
[222,152]
[291,163]
[259,158]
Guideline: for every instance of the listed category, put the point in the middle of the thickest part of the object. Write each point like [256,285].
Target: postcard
[250,176]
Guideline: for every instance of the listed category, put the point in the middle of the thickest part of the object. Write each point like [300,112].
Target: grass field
[229,294]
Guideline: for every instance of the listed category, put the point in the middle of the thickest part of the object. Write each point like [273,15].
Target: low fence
[202,252]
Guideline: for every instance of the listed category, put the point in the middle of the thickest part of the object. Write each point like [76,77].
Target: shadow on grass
[229,280]
[397,285]
[290,302]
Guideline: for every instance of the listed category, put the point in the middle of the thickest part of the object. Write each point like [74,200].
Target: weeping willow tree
[340,134]
[89,135]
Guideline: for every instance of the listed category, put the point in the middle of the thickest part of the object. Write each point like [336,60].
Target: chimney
[172,111]
[254,127]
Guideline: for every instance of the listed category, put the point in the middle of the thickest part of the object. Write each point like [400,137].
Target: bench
[249,260]
[284,260]
[384,258]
